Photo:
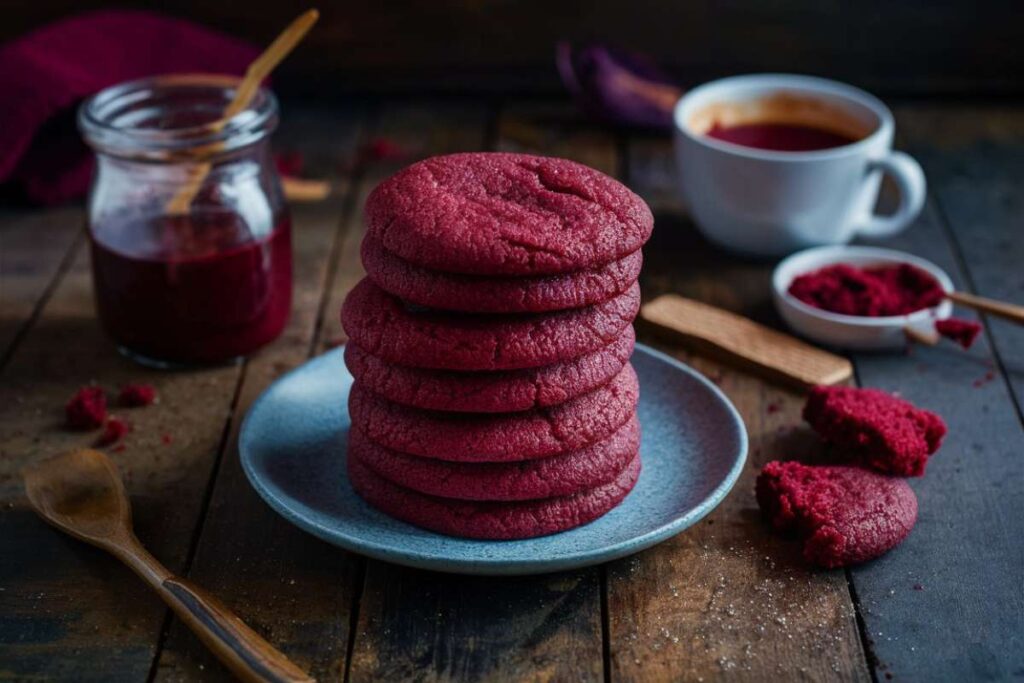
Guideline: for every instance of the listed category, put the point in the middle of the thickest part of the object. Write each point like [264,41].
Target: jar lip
[119,120]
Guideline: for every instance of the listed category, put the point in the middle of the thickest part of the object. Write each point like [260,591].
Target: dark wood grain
[726,598]
[974,158]
[494,46]
[35,247]
[947,603]
[430,626]
[293,589]
[68,611]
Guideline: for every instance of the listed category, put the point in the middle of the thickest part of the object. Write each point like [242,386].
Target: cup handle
[909,178]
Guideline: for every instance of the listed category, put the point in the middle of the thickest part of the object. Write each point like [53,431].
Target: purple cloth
[45,74]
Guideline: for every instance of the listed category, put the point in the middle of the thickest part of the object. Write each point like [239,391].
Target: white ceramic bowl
[849,331]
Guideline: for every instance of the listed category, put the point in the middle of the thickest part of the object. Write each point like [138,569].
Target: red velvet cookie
[486,294]
[844,515]
[875,428]
[490,520]
[382,325]
[489,213]
[497,438]
[558,475]
[490,392]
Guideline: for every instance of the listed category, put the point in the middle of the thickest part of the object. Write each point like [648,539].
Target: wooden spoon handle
[242,650]
[1010,312]
[258,70]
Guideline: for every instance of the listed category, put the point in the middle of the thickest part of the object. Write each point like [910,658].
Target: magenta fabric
[45,74]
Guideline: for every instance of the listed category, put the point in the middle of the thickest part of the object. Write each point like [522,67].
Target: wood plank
[974,159]
[68,611]
[496,46]
[441,627]
[35,246]
[292,588]
[726,598]
[947,605]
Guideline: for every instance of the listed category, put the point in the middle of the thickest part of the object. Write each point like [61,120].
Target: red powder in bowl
[877,291]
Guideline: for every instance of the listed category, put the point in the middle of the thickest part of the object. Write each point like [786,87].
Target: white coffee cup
[771,203]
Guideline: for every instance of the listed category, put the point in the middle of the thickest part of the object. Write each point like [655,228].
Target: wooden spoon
[1008,311]
[82,494]
[248,87]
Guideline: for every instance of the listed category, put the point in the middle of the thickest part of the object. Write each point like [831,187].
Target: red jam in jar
[207,286]
[196,288]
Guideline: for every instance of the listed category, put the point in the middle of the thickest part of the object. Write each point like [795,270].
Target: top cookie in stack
[490,344]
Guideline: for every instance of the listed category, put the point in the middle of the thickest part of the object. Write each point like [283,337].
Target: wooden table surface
[725,599]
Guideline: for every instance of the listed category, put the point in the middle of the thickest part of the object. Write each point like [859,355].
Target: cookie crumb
[988,377]
[113,432]
[874,428]
[958,330]
[87,409]
[136,395]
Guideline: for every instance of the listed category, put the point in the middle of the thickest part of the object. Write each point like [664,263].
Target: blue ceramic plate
[293,451]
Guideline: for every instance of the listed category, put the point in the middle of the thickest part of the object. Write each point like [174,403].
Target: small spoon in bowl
[82,494]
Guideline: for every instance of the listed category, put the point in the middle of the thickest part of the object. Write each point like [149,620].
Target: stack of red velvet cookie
[493,396]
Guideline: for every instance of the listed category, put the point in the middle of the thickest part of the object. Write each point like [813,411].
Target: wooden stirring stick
[247,89]
[1011,312]
[737,339]
[82,494]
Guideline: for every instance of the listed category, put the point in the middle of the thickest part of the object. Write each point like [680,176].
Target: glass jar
[209,285]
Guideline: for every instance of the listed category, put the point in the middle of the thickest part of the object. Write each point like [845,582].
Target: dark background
[905,47]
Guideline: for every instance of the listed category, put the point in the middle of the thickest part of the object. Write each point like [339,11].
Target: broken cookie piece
[875,429]
[843,515]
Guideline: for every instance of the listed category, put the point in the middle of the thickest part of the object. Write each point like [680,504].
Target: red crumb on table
[988,377]
[382,149]
[961,331]
[875,429]
[843,515]
[376,150]
[166,439]
[113,431]
[879,291]
[87,409]
[289,163]
[136,395]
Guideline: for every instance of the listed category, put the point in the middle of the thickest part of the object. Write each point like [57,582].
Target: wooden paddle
[741,341]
